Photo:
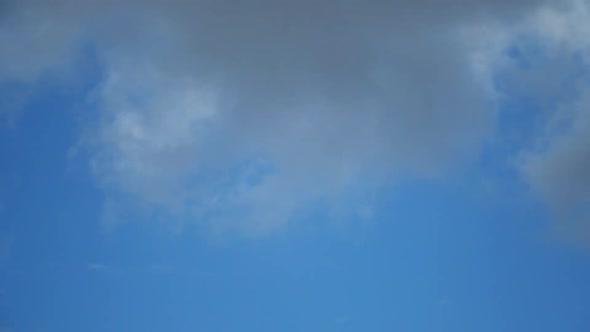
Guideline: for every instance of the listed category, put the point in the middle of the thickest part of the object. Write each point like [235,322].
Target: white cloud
[151,128]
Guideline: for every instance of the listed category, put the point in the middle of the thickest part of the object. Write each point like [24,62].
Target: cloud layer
[241,115]
[557,166]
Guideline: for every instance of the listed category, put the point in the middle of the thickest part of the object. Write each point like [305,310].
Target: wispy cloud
[98,267]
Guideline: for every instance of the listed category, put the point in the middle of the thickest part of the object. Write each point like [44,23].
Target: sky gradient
[294,166]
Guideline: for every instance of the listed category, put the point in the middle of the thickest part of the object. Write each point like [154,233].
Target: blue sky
[385,166]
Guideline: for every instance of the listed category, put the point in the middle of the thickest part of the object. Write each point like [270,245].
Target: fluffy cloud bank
[241,114]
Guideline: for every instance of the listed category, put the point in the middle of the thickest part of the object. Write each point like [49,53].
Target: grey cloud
[310,98]
[36,37]
[557,167]
[327,94]
[559,171]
